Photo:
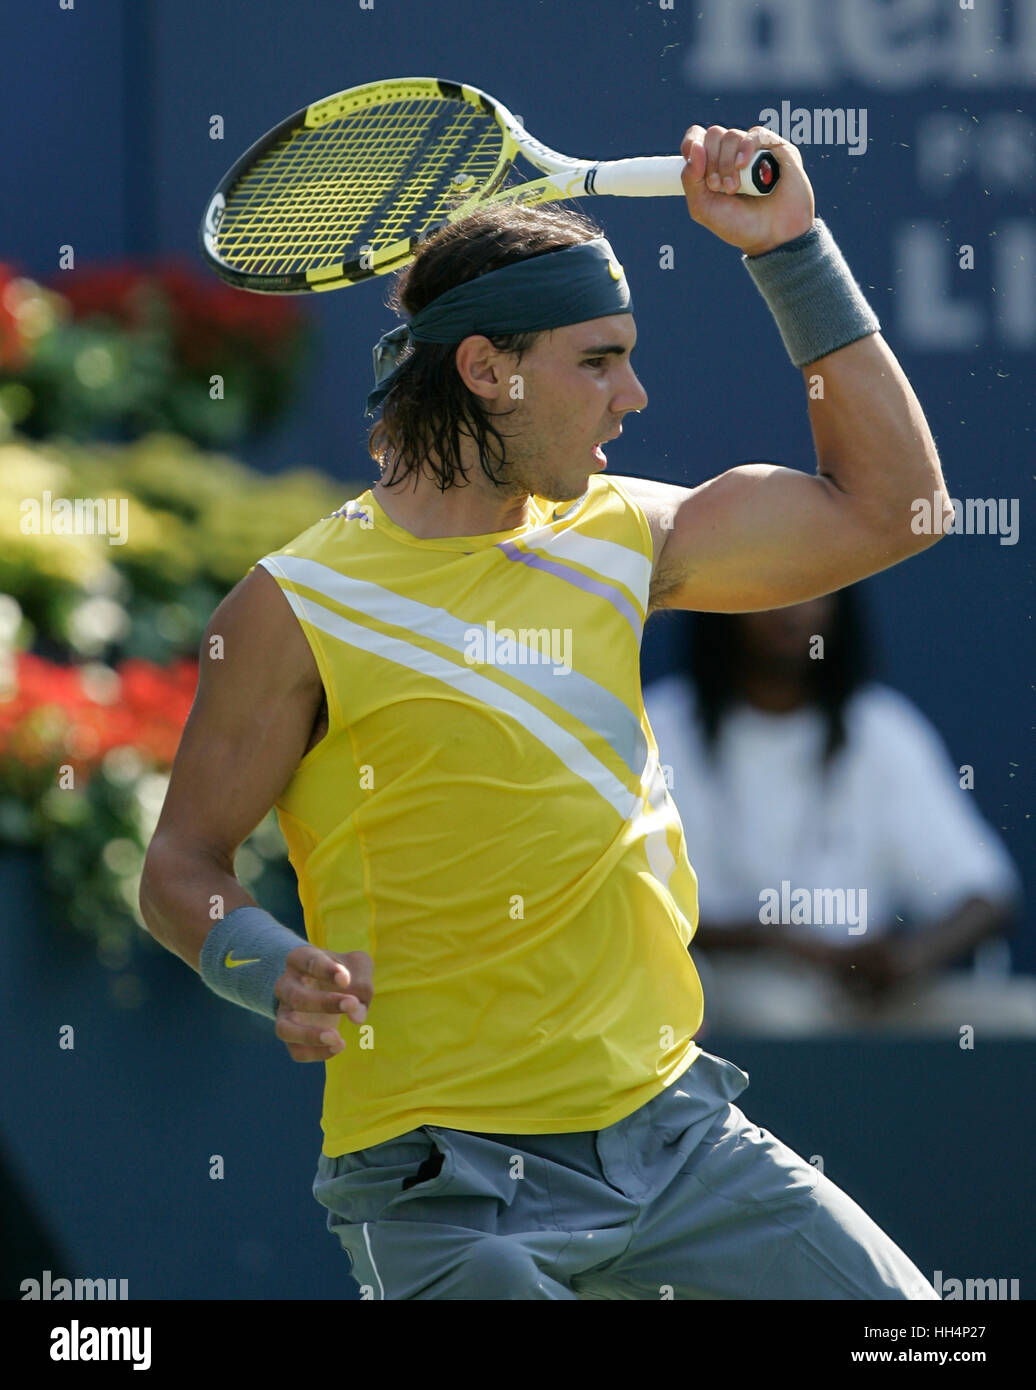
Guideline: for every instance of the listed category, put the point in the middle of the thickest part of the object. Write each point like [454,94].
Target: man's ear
[481,367]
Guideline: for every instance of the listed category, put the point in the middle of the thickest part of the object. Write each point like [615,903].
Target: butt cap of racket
[761,175]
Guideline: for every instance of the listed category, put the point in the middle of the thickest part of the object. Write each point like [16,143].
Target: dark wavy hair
[429,408]
[714,652]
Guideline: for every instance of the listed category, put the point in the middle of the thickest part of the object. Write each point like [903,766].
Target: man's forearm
[179,891]
[872,439]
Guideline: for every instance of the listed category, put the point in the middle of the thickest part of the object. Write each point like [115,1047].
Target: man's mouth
[598,452]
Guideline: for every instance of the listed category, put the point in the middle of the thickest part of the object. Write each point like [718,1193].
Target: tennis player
[438,688]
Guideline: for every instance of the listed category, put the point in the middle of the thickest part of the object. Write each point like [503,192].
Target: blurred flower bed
[132,348]
[99,651]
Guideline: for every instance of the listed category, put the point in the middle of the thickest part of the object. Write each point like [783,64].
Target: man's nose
[632,398]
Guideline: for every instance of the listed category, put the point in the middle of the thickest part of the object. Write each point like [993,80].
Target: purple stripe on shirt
[581,581]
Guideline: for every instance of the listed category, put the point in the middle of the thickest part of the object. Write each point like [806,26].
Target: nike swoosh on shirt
[229,962]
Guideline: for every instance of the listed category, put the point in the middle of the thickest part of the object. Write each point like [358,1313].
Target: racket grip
[660,178]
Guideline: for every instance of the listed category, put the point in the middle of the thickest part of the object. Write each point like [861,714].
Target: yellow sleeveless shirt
[486,816]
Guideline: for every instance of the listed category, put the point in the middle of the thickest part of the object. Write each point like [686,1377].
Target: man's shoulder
[646,493]
[354,514]
[630,505]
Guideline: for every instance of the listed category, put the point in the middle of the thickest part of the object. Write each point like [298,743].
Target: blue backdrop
[111,105]
[108,110]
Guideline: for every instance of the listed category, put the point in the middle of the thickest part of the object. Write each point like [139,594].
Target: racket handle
[660,178]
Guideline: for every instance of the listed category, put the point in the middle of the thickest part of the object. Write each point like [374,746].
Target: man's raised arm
[763,536]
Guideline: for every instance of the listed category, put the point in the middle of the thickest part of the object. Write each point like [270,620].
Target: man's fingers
[310,1030]
[318,965]
[309,1054]
[314,992]
[729,145]
[300,995]
[713,136]
[715,156]
[746,145]
[693,150]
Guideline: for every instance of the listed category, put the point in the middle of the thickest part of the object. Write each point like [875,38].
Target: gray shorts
[685,1198]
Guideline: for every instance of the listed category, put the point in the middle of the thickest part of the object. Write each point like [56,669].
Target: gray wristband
[243,957]
[811,293]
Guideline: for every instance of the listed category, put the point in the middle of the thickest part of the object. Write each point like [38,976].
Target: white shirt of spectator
[890,816]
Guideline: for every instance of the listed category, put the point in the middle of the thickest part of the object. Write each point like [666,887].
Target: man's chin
[564,493]
[568,488]
[554,487]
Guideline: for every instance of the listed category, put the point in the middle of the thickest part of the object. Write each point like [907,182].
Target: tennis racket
[348,188]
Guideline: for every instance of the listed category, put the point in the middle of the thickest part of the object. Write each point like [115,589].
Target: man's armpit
[664,584]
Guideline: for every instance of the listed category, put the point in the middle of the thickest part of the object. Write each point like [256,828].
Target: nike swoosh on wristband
[229,962]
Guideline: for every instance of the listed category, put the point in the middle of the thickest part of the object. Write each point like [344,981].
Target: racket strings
[321,196]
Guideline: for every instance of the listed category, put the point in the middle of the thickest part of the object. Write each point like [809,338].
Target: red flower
[51,718]
[12,345]
[108,290]
[206,315]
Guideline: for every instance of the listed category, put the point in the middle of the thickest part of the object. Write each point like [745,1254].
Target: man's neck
[465,510]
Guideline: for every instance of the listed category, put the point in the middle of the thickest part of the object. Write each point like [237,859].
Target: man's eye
[593,361]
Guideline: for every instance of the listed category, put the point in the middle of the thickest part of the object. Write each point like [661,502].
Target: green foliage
[135,348]
[195,523]
[120,626]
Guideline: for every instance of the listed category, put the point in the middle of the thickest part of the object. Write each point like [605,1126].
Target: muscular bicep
[762,536]
[259,690]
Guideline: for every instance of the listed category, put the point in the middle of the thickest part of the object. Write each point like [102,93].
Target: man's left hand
[715,158]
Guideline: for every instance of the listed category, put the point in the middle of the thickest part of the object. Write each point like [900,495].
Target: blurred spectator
[793,774]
